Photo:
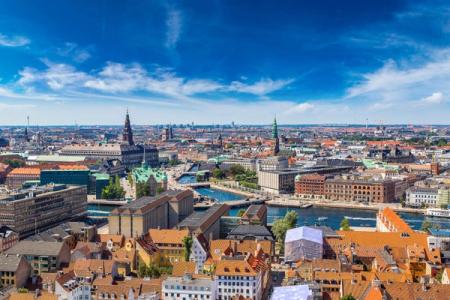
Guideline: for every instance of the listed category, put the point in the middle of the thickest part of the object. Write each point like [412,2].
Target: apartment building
[35,209]
[169,242]
[239,277]
[42,256]
[422,196]
[360,190]
[189,287]
[14,270]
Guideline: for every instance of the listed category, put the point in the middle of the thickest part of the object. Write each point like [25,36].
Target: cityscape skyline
[213,63]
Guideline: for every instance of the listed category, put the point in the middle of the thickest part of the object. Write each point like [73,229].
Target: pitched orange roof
[395,220]
[374,294]
[391,239]
[115,238]
[234,268]
[168,236]
[182,267]
[73,167]
[25,171]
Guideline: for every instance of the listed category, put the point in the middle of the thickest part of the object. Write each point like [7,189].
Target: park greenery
[345,224]
[281,226]
[153,270]
[218,173]
[187,245]
[348,297]
[246,178]
[113,190]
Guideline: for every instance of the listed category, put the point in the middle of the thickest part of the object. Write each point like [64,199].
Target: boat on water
[437,212]
[320,219]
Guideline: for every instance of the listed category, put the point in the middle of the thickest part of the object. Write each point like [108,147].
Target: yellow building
[169,242]
[126,258]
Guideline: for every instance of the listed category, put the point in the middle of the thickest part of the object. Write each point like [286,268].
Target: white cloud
[56,76]
[260,88]
[174,27]
[131,78]
[116,77]
[433,99]
[75,52]
[13,41]
[301,108]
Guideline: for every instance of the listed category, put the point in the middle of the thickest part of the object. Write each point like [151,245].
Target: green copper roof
[274,129]
[373,164]
[101,176]
[142,174]
[219,159]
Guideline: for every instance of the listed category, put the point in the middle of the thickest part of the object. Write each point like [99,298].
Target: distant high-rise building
[276,148]
[127,135]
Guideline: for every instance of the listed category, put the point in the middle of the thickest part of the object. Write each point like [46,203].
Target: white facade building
[235,277]
[67,287]
[198,253]
[186,287]
[421,196]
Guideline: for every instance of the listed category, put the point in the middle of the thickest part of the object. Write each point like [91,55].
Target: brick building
[358,190]
[18,176]
[311,184]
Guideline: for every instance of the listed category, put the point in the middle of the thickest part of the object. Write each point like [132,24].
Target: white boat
[320,219]
[437,212]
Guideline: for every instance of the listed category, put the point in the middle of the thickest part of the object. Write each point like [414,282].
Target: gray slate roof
[36,248]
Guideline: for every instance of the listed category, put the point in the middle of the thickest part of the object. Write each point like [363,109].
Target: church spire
[275,129]
[276,148]
[127,135]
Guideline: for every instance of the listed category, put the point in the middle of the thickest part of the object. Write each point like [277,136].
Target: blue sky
[208,61]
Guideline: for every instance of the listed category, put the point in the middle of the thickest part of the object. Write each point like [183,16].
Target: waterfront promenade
[350,205]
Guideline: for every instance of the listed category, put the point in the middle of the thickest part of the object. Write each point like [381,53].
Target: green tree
[291,219]
[426,225]
[142,189]
[187,245]
[142,270]
[14,163]
[241,212]
[348,297]
[218,173]
[113,190]
[237,169]
[345,224]
[279,229]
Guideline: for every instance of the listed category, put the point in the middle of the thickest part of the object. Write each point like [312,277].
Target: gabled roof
[168,236]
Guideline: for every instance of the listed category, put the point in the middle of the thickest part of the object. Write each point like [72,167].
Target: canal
[331,217]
